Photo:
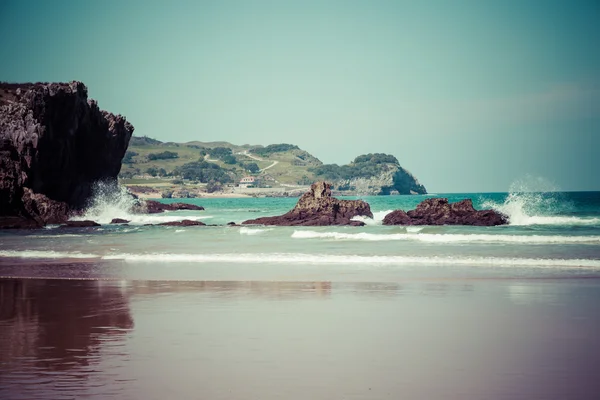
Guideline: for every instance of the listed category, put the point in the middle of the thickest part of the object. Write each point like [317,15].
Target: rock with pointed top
[317,207]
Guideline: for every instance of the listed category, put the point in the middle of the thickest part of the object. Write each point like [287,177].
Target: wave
[47,254]
[314,259]
[534,201]
[448,238]
[253,231]
[377,219]
[321,259]
[112,201]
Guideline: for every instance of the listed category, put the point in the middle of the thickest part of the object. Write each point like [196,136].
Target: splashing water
[377,219]
[536,201]
[109,201]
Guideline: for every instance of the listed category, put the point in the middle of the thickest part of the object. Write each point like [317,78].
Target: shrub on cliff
[274,148]
[202,171]
[165,155]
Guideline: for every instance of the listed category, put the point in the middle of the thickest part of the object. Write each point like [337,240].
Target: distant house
[248,181]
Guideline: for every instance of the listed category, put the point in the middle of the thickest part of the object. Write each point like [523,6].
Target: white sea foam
[313,259]
[448,238]
[110,201]
[535,201]
[253,231]
[47,254]
[329,259]
[376,220]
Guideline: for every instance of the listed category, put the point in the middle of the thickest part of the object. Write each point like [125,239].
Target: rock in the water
[79,224]
[397,217]
[55,144]
[119,221]
[318,208]
[185,222]
[155,207]
[438,211]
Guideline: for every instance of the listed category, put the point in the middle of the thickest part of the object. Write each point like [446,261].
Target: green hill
[152,162]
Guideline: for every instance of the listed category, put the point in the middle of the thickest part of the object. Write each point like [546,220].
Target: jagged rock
[79,224]
[318,208]
[185,222]
[438,211]
[119,221]
[155,207]
[397,217]
[55,144]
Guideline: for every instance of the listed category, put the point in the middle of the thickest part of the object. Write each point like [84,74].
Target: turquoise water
[549,234]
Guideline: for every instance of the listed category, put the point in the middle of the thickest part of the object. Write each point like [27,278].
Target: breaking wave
[319,259]
[376,220]
[534,201]
[448,238]
[253,231]
[113,201]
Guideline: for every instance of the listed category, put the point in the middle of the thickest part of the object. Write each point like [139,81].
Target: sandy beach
[417,339]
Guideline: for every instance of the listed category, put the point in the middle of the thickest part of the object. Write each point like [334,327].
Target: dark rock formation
[185,222]
[438,211]
[318,208]
[54,145]
[119,221]
[155,207]
[79,224]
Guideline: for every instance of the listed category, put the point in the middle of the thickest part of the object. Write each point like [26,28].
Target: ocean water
[550,234]
[256,312]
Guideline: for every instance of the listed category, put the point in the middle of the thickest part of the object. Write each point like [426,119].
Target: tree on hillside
[251,167]
[202,171]
[128,158]
[219,152]
[165,155]
[229,159]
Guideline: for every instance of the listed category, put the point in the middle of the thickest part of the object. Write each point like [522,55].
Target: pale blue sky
[469,95]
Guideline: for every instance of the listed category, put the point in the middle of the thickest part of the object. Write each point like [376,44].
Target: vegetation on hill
[143,141]
[274,148]
[369,166]
[221,163]
[165,155]
[203,171]
[364,166]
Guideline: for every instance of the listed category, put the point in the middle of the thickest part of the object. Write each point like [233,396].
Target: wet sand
[418,339]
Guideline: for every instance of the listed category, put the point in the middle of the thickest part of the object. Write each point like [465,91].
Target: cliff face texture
[55,144]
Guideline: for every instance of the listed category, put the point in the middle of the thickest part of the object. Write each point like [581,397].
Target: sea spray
[109,201]
[377,219]
[536,201]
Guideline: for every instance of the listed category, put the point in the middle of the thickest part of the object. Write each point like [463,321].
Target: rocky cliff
[55,143]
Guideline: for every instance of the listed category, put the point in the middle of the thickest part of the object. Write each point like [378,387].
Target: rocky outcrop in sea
[317,207]
[438,211]
[55,144]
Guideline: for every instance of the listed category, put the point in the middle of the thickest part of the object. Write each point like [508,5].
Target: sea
[262,312]
[549,233]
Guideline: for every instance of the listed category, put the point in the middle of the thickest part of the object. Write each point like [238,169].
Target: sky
[470,96]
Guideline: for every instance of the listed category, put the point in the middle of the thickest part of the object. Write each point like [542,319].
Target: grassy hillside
[289,166]
[151,162]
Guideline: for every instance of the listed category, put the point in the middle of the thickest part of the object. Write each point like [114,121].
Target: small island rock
[438,211]
[155,207]
[79,224]
[185,222]
[317,207]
